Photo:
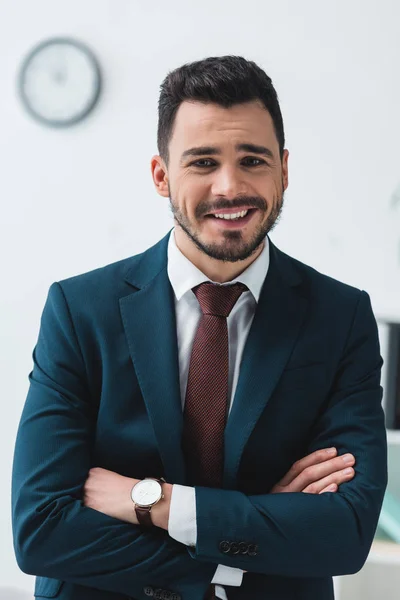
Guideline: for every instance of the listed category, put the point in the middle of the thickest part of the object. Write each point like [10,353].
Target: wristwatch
[145,494]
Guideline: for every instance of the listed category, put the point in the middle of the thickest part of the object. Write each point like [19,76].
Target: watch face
[146,492]
[60,82]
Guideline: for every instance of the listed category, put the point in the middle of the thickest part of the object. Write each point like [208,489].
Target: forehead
[200,123]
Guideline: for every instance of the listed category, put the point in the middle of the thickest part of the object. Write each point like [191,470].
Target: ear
[160,175]
[285,169]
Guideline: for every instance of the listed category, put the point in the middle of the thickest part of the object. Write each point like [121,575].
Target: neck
[216,270]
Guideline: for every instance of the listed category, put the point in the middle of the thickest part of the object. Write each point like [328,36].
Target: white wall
[77,199]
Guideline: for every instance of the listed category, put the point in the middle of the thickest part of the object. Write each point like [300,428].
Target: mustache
[250,201]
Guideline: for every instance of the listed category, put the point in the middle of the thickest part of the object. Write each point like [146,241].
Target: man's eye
[258,160]
[202,160]
[206,163]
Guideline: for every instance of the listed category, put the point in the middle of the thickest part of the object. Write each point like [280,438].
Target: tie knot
[218,300]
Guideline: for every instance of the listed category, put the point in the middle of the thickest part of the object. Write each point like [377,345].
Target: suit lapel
[279,315]
[149,321]
[148,316]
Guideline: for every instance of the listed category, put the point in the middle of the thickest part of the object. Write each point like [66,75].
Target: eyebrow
[204,150]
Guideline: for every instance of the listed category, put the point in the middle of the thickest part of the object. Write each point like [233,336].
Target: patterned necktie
[206,403]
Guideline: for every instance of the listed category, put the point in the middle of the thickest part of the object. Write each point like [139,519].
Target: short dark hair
[224,80]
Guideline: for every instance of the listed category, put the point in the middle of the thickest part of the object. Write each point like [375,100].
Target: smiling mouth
[231,215]
[228,222]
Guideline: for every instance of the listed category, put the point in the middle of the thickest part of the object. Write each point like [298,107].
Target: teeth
[233,215]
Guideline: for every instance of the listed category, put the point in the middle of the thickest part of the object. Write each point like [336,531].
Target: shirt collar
[184,276]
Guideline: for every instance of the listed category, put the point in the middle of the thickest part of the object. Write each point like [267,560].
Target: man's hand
[110,493]
[319,472]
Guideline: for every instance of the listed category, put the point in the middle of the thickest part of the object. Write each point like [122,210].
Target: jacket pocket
[45,587]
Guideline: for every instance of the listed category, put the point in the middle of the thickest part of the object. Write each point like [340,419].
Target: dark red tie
[206,403]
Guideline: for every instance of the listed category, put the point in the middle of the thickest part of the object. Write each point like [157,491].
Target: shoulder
[321,289]
[122,275]
[100,279]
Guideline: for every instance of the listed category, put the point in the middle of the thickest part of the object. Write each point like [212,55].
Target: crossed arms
[298,534]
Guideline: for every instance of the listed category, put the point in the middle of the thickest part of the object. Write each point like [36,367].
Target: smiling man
[204,419]
[227,193]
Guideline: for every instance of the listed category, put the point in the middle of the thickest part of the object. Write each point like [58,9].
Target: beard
[233,248]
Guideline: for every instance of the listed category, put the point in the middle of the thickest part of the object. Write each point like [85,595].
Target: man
[177,394]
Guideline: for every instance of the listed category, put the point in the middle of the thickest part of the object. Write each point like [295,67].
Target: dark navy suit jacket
[104,391]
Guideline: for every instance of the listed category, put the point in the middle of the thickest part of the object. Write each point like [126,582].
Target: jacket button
[225,547]
[235,548]
[175,596]
[149,591]
[252,549]
[243,547]
[158,594]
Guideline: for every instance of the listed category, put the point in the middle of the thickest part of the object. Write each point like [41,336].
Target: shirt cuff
[220,592]
[228,576]
[182,527]
[182,515]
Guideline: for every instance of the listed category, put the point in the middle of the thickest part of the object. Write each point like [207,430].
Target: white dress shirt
[183,276]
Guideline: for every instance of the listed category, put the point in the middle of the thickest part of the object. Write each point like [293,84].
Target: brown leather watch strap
[143,516]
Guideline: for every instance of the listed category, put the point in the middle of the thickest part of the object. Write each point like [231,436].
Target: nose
[228,182]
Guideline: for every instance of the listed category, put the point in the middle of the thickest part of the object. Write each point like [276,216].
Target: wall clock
[60,82]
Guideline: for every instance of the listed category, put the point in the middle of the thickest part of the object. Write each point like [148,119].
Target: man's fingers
[316,473]
[319,456]
[331,488]
[334,479]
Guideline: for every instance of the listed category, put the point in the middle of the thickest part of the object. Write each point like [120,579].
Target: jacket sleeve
[54,534]
[182,527]
[299,534]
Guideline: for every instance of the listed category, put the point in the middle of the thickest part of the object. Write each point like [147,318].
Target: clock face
[146,492]
[60,82]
